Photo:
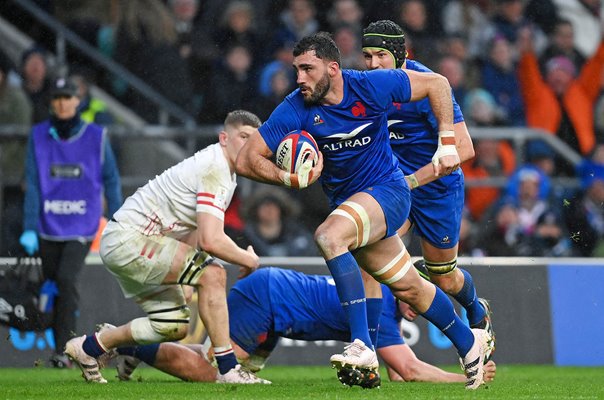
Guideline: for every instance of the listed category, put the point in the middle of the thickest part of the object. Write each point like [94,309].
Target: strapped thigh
[194,267]
[359,217]
[395,269]
[441,268]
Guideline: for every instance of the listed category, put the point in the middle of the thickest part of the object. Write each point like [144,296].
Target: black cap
[64,87]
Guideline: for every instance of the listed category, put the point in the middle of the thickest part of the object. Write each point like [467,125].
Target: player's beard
[320,91]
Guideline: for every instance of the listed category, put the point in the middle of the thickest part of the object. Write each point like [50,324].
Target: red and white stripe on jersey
[211,204]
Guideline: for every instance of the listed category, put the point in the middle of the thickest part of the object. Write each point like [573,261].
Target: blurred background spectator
[584,214]
[15,109]
[525,222]
[272,226]
[146,44]
[36,81]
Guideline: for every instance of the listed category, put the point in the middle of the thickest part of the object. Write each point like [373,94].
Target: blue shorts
[395,200]
[250,316]
[438,219]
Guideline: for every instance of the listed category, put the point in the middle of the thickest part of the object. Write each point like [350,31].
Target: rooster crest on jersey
[296,148]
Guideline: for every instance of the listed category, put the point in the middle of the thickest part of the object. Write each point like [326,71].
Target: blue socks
[145,353]
[442,315]
[374,311]
[225,357]
[92,347]
[468,299]
[349,284]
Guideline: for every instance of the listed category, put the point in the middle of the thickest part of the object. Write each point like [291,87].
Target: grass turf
[512,382]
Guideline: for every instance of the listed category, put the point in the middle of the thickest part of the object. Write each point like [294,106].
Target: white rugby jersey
[168,204]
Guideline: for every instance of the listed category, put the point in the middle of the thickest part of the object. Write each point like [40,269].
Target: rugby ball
[294,149]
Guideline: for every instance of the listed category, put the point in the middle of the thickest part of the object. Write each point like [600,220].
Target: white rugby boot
[240,375]
[355,355]
[125,367]
[88,364]
[487,324]
[474,361]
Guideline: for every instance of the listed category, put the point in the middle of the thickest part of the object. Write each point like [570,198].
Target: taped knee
[395,270]
[441,268]
[164,325]
[356,214]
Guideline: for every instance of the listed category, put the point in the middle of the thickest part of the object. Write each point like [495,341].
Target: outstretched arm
[403,363]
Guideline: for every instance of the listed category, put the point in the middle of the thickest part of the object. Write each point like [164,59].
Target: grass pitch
[512,382]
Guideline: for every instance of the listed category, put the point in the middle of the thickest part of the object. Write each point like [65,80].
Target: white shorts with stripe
[140,263]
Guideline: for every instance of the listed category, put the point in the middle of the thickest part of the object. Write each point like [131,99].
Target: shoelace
[353,349]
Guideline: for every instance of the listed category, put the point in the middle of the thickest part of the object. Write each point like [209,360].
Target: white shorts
[140,263]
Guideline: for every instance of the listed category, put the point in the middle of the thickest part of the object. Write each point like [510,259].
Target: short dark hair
[323,45]
[389,36]
[242,117]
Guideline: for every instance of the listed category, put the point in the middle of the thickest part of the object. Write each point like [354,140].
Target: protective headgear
[388,36]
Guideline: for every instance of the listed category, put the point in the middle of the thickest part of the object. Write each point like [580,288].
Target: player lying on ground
[273,303]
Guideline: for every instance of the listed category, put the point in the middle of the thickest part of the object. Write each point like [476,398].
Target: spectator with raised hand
[562,100]
[69,167]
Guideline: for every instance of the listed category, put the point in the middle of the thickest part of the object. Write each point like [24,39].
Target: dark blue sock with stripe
[349,284]
[146,353]
[92,347]
[374,311]
[442,314]
[467,299]
[225,357]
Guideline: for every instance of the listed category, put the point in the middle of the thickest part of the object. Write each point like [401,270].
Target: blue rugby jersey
[352,135]
[414,136]
[306,307]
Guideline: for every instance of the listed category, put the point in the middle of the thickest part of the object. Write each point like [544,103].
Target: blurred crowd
[514,63]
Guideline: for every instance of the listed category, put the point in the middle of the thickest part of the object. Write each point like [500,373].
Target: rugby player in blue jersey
[274,303]
[346,112]
[436,202]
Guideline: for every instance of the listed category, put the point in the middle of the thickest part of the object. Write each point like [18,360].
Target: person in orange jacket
[561,99]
